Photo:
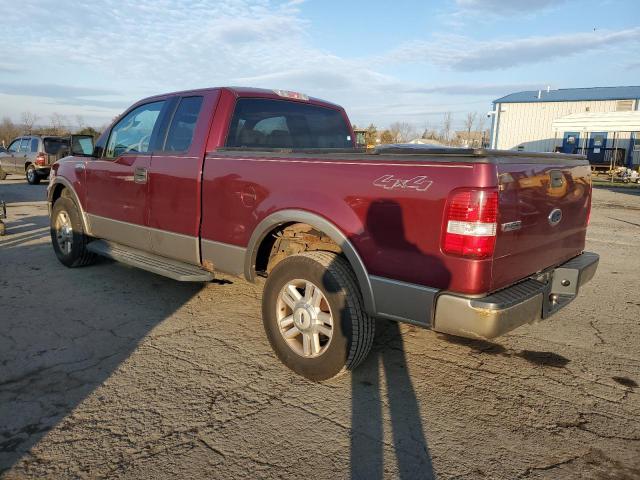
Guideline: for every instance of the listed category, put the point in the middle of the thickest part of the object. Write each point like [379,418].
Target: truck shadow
[410,445]
[543,359]
[64,332]
[386,367]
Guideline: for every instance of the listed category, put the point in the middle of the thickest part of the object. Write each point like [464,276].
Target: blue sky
[384,61]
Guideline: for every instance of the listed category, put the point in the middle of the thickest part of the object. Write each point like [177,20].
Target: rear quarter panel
[395,230]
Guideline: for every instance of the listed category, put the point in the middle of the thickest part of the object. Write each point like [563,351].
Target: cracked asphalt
[112,372]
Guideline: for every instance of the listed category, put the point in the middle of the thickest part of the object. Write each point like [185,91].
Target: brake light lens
[471,223]
[41,159]
[290,94]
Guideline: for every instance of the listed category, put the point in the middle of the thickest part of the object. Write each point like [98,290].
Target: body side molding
[404,302]
[299,216]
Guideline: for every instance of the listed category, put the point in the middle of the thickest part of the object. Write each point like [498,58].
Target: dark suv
[32,156]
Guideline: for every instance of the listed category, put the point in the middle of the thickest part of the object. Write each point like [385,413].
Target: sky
[407,61]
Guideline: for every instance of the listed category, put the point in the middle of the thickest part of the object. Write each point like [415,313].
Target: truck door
[175,178]
[117,183]
[9,161]
[21,158]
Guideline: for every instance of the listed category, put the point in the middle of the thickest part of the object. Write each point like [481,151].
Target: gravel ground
[112,372]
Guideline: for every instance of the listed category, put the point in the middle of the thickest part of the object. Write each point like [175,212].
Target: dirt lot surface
[112,372]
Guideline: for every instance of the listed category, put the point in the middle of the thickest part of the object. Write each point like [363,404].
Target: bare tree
[481,129]
[446,126]
[80,122]
[28,120]
[402,131]
[8,131]
[57,122]
[469,121]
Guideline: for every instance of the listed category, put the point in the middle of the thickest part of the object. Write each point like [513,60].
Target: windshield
[260,122]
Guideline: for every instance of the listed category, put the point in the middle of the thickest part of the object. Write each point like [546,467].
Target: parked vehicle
[33,155]
[262,183]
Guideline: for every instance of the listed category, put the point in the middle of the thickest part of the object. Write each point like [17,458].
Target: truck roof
[247,92]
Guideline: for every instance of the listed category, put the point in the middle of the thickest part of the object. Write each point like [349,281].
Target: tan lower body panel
[224,257]
[161,242]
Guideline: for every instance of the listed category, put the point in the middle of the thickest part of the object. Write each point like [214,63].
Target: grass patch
[618,184]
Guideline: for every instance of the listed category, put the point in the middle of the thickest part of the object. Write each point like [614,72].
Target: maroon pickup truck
[263,183]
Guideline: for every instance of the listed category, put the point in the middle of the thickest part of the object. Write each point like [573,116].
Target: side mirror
[82,145]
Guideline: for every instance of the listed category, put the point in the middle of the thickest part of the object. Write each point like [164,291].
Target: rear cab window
[53,145]
[35,144]
[269,123]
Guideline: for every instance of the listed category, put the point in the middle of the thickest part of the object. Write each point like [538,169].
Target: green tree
[387,137]
[371,135]
[89,131]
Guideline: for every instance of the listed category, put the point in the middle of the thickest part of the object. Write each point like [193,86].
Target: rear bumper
[534,299]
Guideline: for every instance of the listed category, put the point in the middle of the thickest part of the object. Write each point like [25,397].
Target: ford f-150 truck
[264,183]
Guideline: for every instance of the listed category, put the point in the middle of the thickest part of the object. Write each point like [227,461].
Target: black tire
[32,175]
[78,255]
[353,329]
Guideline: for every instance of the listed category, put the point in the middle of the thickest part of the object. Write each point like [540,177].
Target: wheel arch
[55,191]
[288,217]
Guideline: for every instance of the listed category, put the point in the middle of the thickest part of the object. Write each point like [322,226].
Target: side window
[132,134]
[183,125]
[24,145]
[14,147]
[34,145]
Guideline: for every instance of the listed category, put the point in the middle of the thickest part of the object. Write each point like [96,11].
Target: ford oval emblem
[554,217]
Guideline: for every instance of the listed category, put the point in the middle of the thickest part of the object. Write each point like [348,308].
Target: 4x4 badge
[390,182]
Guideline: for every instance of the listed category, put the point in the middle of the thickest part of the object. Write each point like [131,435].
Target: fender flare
[67,184]
[300,216]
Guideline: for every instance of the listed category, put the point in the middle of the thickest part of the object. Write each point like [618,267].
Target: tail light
[41,159]
[471,223]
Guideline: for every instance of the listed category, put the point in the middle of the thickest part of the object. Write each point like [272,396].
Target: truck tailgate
[543,215]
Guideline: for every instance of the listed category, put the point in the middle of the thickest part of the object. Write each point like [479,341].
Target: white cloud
[100,57]
[497,7]
[466,54]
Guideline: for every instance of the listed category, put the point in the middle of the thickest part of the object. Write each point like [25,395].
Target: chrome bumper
[534,299]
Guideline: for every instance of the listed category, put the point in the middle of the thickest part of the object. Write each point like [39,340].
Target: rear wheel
[67,235]
[32,175]
[314,317]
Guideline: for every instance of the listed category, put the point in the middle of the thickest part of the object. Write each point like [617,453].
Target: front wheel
[314,316]
[32,175]
[67,235]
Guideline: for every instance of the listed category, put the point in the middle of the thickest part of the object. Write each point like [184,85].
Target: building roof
[572,95]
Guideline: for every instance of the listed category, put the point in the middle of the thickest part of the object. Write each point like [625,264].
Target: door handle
[140,175]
